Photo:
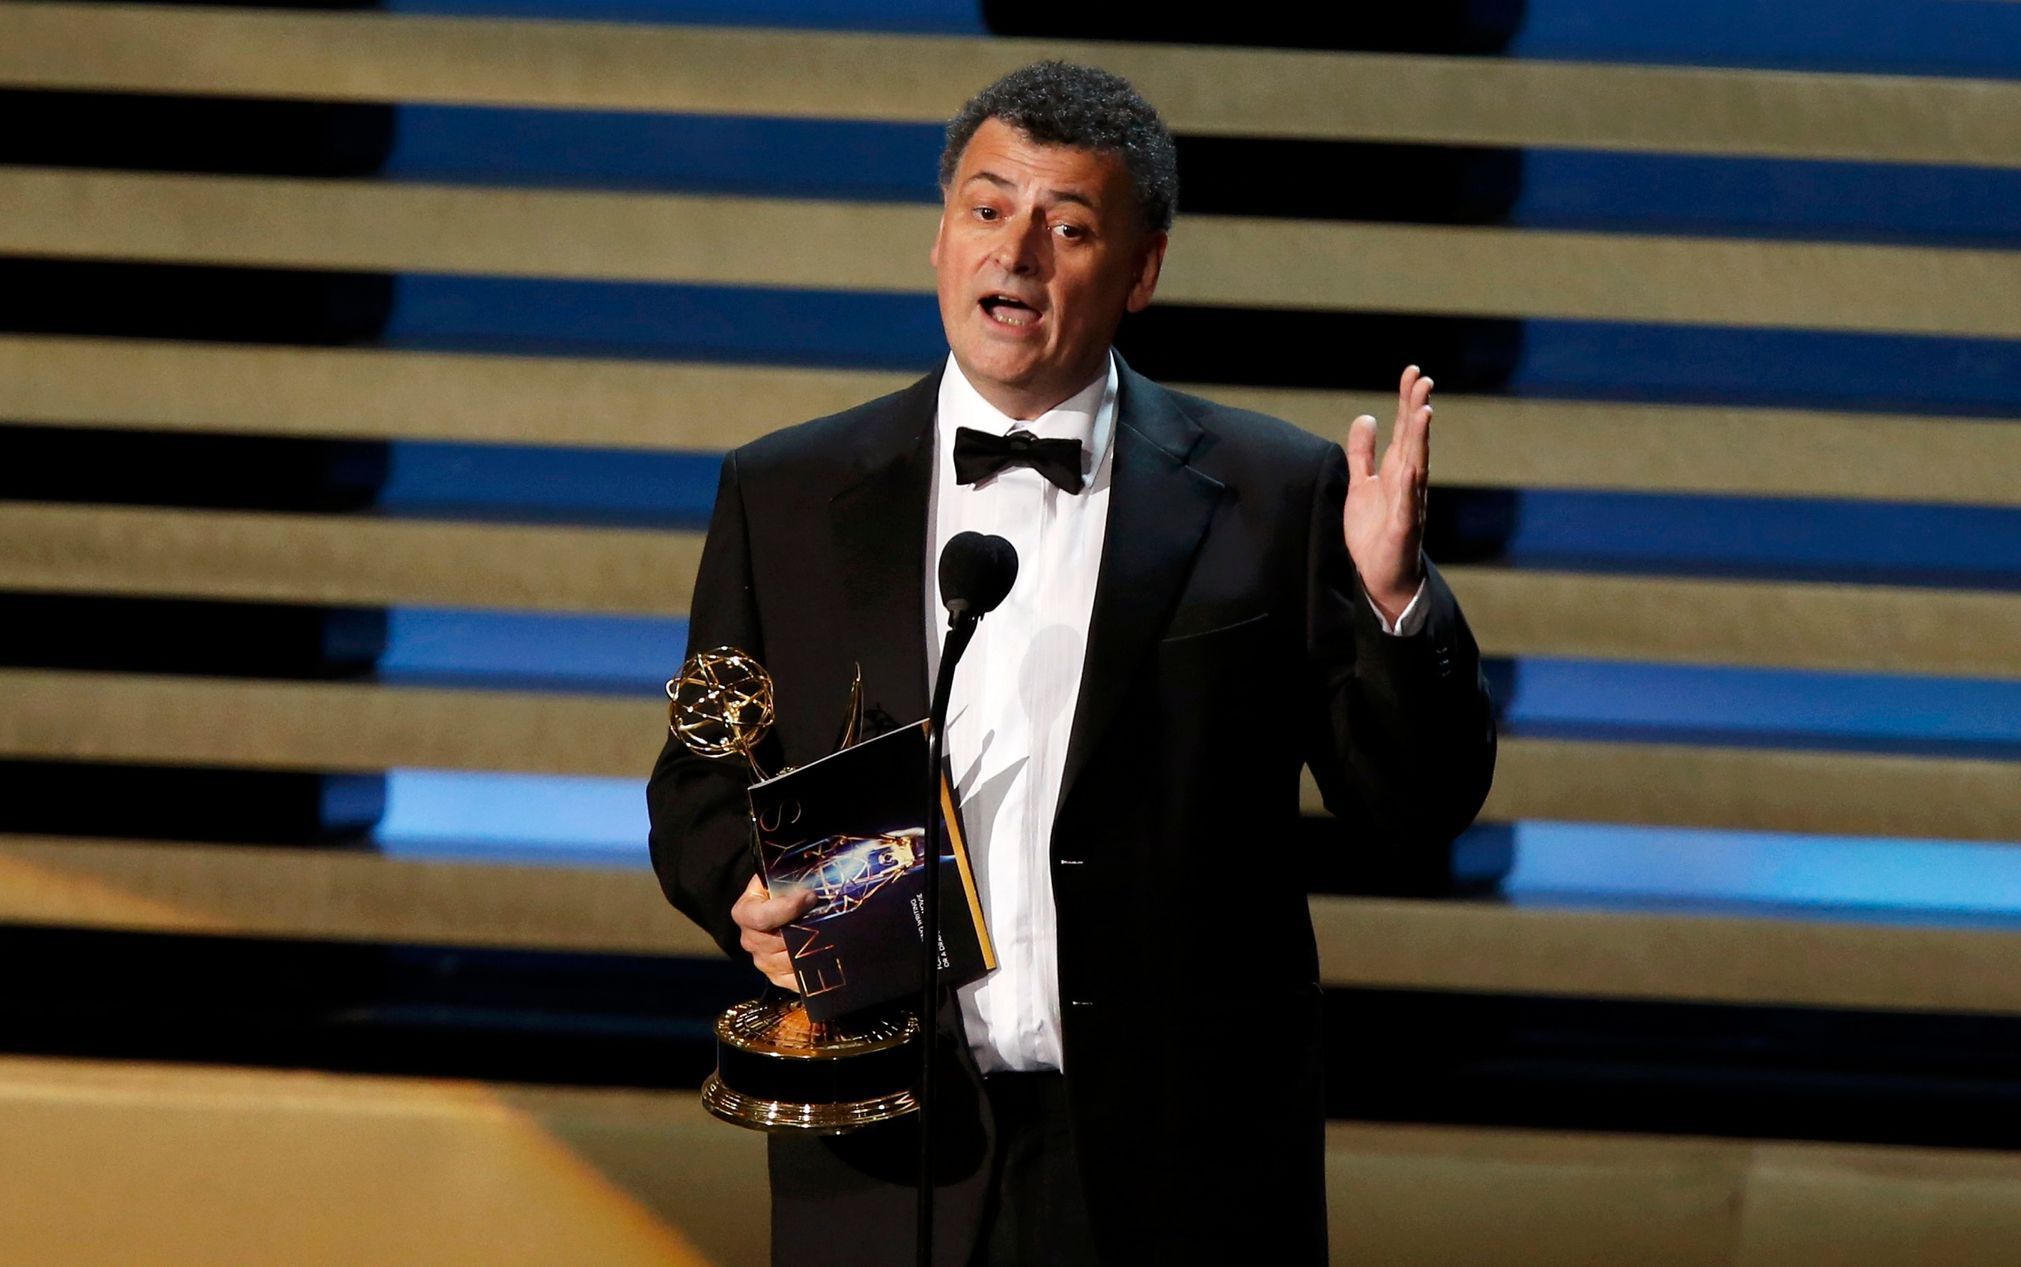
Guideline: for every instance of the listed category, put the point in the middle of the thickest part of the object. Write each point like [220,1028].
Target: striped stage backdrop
[364,372]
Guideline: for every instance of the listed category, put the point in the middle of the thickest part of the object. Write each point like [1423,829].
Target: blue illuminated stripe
[515,817]
[1578,359]
[896,162]
[1800,369]
[807,158]
[628,654]
[668,489]
[1967,546]
[1761,197]
[1786,702]
[635,654]
[1963,37]
[547,819]
[1681,864]
[1961,546]
[747,325]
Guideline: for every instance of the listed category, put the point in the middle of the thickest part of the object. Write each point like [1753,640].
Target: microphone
[976,572]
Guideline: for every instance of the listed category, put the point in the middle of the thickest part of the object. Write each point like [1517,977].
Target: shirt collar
[1089,415]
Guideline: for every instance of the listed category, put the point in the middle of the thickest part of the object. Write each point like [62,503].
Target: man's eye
[985,213]
[1071,232]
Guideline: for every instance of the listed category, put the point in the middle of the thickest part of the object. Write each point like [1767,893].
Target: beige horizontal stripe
[854,246]
[1750,789]
[337,894]
[1481,440]
[356,726]
[1879,628]
[372,393]
[1501,442]
[1447,945]
[1696,958]
[1525,1198]
[228,1165]
[374,225]
[324,725]
[344,559]
[221,1165]
[1604,276]
[368,560]
[1237,92]
[1854,793]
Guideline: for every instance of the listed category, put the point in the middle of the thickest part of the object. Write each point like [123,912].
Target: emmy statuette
[777,1068]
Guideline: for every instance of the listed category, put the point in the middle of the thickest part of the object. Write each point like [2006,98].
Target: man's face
[1041,250]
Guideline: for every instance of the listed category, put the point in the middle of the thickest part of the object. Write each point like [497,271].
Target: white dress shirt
[1011,707]
[1012,703]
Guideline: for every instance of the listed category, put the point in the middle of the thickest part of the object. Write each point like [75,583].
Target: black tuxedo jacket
[1229,644]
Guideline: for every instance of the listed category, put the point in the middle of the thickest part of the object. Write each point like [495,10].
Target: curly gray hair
[1059,103]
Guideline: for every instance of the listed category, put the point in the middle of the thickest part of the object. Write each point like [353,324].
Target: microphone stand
[961,628]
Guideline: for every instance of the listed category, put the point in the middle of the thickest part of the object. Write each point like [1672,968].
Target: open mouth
[1008,311]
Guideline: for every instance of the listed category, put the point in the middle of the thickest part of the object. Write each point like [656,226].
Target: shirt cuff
[1412,619]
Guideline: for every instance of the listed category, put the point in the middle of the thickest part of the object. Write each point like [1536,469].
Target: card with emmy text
[850,826]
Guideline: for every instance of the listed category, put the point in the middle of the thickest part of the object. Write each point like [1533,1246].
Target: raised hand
[1385,516]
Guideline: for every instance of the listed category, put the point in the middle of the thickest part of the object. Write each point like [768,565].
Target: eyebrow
[1058,195]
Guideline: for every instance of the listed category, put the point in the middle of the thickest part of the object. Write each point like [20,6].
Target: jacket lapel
[879,522]
[1159,510]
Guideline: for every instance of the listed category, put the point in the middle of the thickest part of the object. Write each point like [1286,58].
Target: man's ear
[1148,265]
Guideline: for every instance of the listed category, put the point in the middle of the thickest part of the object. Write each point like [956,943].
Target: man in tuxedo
[1207,599]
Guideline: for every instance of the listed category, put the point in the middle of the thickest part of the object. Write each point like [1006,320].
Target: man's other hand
[1385,516]
[761,916]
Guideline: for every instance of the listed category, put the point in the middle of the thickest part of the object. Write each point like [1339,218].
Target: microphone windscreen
[976,572]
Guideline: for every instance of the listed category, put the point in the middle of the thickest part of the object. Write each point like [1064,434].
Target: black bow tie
[979,455]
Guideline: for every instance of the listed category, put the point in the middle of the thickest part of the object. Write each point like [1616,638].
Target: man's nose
[1019,252]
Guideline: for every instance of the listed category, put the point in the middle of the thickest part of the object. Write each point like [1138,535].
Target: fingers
[1410,443]
[778,969]
[761,916]
[758,911]
[1406,389]
[1409,451]
[1406,464]
[1361,448]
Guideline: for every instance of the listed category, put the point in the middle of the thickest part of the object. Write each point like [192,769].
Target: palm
[1385,516]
